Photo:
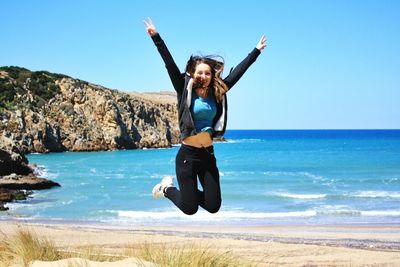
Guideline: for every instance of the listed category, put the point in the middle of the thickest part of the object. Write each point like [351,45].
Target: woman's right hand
[150,28]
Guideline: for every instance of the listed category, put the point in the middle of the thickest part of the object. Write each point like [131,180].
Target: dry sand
[376,245]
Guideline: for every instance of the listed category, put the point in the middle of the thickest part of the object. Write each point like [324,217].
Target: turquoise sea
[267,177]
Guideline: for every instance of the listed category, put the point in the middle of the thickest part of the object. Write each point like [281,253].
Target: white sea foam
[384,213]
[313,176]
[306,174]
[202,215]
[39,170]
[377,194]
[370,213]
[388,181]
[17,205]
[159,176]
[42,171]
[339,212]
[343,210]
[272,173]
[238,173]
[238,141]
[302,196]
[336,210]
[69,202]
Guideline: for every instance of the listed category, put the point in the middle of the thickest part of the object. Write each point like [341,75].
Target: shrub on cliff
[18,81]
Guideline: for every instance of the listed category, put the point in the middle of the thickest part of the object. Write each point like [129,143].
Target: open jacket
[183,84]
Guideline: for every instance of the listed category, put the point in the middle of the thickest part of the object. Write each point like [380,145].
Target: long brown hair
[217,66]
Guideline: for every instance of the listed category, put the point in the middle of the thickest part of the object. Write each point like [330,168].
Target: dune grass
[176,255]
[26,246]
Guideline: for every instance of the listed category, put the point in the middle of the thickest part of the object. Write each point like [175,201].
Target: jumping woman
[202,112]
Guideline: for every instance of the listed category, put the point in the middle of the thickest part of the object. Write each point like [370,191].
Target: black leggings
[193,162]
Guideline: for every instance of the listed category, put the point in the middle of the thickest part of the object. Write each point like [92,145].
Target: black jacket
[183,83]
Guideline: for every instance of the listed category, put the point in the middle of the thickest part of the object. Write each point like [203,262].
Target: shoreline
[202,218]
[376,236]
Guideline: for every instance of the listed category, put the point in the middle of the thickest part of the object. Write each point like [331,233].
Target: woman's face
[203,74]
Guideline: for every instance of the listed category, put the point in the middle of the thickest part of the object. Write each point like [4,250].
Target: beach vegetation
[26,246]
[191,254]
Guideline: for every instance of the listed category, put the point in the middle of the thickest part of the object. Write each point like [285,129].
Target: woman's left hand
[262,43]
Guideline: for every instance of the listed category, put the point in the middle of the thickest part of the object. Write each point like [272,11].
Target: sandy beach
[303,245]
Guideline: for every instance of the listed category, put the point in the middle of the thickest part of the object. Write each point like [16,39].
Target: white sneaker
[158,189]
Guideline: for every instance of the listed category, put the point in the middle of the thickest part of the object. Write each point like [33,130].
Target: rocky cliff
[47,112]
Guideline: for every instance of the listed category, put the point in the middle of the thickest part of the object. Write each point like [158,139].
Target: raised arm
[240,69]
[175,75]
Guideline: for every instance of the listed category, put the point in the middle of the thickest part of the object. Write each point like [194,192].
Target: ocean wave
[241,215]
[343,210]
[391,180]
[239,141]
[361,213]
[314,176]
[159,176]
[17,205]
[378,213]
[306,174]
[43,172]
[202,215]
[339,212]
[302,196]
[376,194]
[39,170]
[238,173]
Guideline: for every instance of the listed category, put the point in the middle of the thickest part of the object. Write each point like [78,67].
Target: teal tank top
[203,113]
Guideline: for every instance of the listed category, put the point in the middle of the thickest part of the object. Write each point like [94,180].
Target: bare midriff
[202,139]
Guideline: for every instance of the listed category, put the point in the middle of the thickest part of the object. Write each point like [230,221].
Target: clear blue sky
[328,64]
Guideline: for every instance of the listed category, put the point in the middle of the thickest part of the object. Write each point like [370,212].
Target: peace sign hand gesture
[262,43]
[150,28]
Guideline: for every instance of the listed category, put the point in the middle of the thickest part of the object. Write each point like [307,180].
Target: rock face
[45,112]
[7,195]
[25,182]
[13,163]
[16,177]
